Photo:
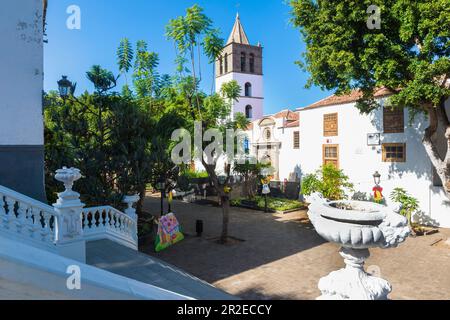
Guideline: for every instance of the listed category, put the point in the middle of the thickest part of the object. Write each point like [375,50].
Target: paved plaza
[281,257]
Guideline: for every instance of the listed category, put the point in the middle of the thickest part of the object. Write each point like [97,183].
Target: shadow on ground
[268,238]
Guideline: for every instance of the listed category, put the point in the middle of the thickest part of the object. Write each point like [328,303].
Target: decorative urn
[356,226]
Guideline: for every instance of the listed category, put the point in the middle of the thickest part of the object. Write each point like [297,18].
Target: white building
[334,131]
[21,124]
[242,62]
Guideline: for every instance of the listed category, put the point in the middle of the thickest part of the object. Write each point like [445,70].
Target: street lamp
[377,178]
[66,87]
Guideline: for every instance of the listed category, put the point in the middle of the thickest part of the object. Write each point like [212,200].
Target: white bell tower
[242,62]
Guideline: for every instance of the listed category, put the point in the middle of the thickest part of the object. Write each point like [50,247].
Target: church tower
[242,62]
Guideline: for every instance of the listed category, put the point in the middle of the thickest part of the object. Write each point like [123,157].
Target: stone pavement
[118,259]
[282,257]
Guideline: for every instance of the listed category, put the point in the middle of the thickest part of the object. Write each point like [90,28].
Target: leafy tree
[329,181]
[106,136]
[250,171]
[192,35]
[409,55]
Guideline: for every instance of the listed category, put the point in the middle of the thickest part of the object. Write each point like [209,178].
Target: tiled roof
[293,124]
[354,96]
[288,114]
[238,34]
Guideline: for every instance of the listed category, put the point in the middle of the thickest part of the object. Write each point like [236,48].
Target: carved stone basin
[356,226]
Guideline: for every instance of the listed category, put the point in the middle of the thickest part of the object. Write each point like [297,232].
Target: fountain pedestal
[352,282]
[356,226]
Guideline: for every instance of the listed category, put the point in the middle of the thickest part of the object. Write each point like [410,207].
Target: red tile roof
[293,124]
[288,114]
[354,96]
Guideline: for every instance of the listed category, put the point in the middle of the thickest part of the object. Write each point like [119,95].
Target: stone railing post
[130,211]
[70,241]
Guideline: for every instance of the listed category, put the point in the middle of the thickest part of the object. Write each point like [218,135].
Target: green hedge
[277,204]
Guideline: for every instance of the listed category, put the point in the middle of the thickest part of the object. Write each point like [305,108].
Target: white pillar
[131,212]
[70,241]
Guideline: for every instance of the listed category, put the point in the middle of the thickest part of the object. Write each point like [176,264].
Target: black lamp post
[377,178]
[161,185]
[66,87]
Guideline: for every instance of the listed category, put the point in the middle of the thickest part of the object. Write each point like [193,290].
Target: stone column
[70,241]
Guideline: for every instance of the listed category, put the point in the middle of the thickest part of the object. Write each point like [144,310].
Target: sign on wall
[373,139]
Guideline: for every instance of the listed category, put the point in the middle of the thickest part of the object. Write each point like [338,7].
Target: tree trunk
[140,203]
[225,218]
[224,197]
[439,121]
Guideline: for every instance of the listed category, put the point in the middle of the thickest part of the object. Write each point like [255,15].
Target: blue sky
[104,23]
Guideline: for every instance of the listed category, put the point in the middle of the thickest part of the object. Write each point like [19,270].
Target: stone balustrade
[26,219]
[65,227]
[108,222]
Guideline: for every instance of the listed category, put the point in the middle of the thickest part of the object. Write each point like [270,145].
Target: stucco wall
[257,99]
[21,124]
[359,161]
[21,65]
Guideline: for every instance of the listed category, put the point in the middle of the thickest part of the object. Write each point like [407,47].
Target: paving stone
[283,257]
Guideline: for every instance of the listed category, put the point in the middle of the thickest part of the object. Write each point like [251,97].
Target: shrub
[277,204]
[329,181]
[192,174]
[409,204]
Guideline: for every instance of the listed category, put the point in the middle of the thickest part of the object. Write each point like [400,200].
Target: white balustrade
[109,223]
[67,225]
[26,219]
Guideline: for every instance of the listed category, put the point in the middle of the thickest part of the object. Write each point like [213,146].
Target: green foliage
[276,204]
[102,79]
[410,51]
[145,76]
[329,181]
[106,137]
[193,174]
[231,90]
[124,55]
[409,204]
[186,30]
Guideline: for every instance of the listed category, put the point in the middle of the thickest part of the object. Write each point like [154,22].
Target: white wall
[289,158]
[257,99]
[21,72]
[360,161]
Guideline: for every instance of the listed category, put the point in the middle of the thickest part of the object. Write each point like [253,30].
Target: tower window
[252,63]
[246,146]
[249,112]
[226,62]
[248,89]
[221,65]
[243,61]
[296,139]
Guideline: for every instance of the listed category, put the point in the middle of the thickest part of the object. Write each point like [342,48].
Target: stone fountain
[356,226]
